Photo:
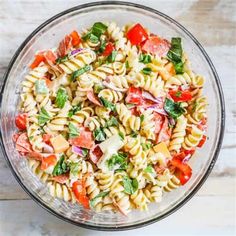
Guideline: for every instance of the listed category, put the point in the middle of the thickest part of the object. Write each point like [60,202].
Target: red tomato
[108,49]
[95,154]
[35,155]
[202,141]
[180,96]
[79,190]
[75,38]
[164,134]
[50,160]
[23,143]
[46,138]
[158,119]
[84,140]
[137,34]
[37,60]
[183,170]
[134,96]
[156,45]
[21,121]
[92,98]
[61,178]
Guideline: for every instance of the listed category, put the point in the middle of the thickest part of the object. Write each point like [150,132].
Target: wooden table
[212,210]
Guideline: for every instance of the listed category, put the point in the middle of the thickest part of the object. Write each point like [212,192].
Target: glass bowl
[48,35]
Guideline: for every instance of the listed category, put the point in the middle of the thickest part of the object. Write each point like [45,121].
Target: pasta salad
[110,118]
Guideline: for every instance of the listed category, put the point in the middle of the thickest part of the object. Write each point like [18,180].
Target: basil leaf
[74,168]
[122,136]
[178,94]
[107,104]
[102,46]
[62,59]
[61,97]
[43,117]
[73,131]
[173,109]
[73,110]
[146,71]
[61,167]
[41,87]
[95,32]
[111,58]
[134,134]
[146,146]
[79,72]
[149,169]
[118,161]
[93,200]
[130,185]
[99,134]
[112,122]
[145,58]
[175,55]
[142,118]
[127,65]
[85,152]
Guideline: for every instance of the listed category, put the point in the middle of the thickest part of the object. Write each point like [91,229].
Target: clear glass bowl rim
[222,105]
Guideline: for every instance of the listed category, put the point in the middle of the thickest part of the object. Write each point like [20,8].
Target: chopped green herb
[146,146]
[130,185]
[102,46]
[61,167]
[112,122]
[142,118]
[178,94]
[111,58]
[118,161]
[43,117]
[146,71]
[149,169]
[62,59]
[175,55]
[122,136]
[31,137]
[134,134]
[73,131]
[79,72]
[73,110]
[145,58]
[92,202]
[127,65]
[61,97]
[99,134]
[107,104]
[173,109]
[74,168]
[85,152]
[41,87]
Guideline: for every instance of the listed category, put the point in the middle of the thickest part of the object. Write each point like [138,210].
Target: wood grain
[212,210]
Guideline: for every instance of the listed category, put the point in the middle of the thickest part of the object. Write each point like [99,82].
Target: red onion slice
[77,150]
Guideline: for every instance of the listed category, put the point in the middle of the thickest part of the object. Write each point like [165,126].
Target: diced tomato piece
[79,190]
[75,38]
[95,154]
[23,143]
[158,119]
[203,124]
[134,96]
[108,49]
[156,45]
[37,60]
[35,155]
[46,138]
[180,96]
[21,121]
[84,140]
[202,141]
[183,170]
[50,160]
[61,178]
[92,98]
[164,134]
[137,34]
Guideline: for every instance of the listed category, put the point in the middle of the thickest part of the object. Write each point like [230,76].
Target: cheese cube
[59,144]
[162,148]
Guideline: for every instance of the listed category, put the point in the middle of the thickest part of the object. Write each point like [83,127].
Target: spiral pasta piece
[82,115]
[140,200]
[36,169]
[153,193]
[105,180]
[178,80]
[148,125]
[172,184]
[111,95]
